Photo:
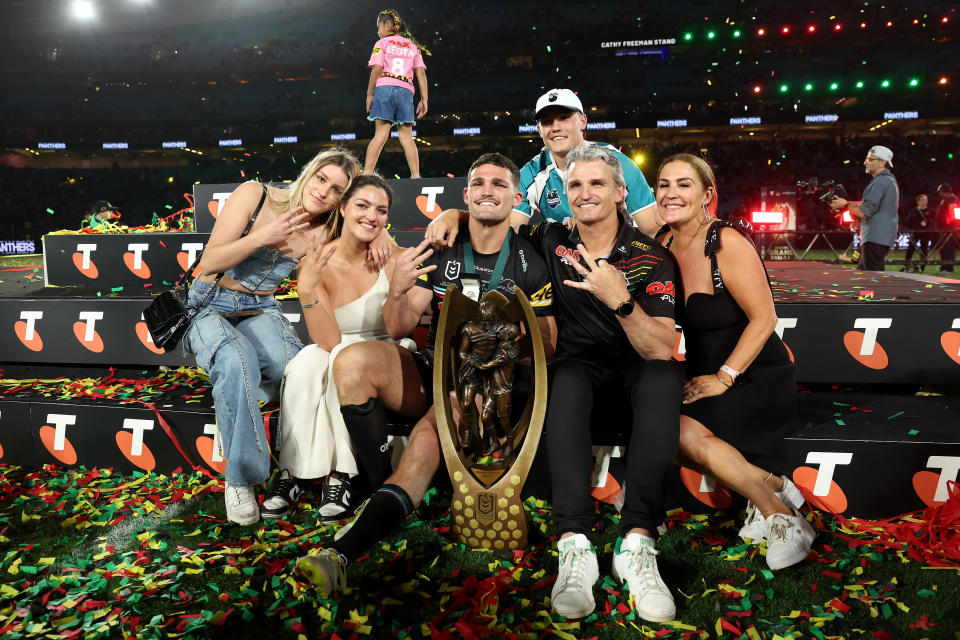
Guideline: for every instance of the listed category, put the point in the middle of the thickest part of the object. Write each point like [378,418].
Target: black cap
[102,205]
[944,187]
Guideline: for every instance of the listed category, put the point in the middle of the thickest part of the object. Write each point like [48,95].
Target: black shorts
[424,359]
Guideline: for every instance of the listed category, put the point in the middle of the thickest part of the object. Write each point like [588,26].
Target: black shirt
[586,327]
[524,269]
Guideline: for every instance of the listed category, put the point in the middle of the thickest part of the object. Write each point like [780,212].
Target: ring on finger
[695,392]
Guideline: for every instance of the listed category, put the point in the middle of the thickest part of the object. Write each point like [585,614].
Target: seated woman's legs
[371,376]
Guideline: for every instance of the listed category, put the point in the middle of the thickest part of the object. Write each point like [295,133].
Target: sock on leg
[367,425]
[388,507]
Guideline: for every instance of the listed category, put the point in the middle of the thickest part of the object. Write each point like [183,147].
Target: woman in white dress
[342,295]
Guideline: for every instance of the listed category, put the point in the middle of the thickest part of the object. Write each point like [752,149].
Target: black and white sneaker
[335,498]
[279,502]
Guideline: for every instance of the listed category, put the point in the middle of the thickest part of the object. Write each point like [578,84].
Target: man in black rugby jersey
[376,374]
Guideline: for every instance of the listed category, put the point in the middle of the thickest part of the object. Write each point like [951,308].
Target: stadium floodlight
[84,10]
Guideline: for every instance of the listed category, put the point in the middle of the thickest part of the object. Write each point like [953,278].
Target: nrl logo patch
[452,272]
[553,198]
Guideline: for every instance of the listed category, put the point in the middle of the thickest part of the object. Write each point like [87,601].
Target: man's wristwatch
[624,309]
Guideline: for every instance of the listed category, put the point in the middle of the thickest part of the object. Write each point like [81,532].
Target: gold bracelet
[720,380]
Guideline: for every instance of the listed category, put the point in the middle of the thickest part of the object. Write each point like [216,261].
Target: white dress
[312,438]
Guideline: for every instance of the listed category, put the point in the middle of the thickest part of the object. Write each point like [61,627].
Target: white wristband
[730,371]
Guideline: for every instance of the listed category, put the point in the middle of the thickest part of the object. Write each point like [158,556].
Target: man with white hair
[877,211]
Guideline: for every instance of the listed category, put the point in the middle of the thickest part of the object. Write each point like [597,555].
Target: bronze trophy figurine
[488,457]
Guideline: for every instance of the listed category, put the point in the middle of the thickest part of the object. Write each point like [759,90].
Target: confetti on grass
[96,554]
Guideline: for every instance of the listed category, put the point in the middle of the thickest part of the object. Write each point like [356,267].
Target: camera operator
[918,224]
[877,211]
[948,226]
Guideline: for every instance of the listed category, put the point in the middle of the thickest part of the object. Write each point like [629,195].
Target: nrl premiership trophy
[488,456]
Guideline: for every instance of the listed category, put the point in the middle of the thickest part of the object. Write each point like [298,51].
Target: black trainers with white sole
[335,498]
[281,499]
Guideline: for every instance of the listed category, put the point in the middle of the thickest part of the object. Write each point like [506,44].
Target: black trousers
[873,256]
[652,391]
[919,241]
[948,253]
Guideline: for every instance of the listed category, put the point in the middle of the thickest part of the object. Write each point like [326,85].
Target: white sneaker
[241,504]
[572,595]
[754,527]
[635,563]
[326,571]
[788,539]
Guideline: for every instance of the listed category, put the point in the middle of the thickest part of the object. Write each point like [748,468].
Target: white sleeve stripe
[652,204]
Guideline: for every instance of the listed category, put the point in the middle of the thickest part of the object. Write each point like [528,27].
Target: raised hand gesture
[275,233]
[408,268]
[313,264]
[600,278]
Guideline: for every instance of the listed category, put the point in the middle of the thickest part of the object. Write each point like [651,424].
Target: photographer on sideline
[877,211]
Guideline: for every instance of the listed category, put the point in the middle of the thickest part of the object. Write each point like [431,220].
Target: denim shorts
[391,103]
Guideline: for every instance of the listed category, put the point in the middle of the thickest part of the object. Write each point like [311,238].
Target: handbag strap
[196,262]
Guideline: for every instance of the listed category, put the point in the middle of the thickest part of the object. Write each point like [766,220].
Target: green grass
[106,547]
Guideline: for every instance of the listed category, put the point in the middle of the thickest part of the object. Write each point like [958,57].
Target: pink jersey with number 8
[399,57]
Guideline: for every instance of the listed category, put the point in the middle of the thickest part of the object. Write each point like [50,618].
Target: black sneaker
[279,502]
[334,498]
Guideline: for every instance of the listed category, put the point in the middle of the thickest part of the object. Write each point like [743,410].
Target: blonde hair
[703,171]
[292,196]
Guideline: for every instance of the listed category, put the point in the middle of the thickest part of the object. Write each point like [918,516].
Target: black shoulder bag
[167,316]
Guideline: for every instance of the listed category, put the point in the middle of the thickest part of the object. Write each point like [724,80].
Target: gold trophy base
[485,519]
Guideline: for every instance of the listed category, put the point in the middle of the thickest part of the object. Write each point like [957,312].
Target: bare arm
[745,279]
[442,231]
[406,302]
[421,75]
[375,72]
[646,220]
[226,248]
[313,287]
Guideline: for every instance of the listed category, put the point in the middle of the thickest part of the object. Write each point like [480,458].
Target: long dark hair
[400,27]
[361,181]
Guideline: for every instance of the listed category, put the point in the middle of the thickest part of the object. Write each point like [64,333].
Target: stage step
[863,454]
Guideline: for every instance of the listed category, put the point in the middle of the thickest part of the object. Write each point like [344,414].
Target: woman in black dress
[740,387]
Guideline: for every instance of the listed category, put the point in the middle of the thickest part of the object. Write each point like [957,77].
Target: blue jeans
[245,357]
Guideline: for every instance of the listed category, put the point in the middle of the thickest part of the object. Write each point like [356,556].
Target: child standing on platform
[395,60]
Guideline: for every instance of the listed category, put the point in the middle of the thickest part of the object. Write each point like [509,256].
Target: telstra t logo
[864,346]
[427,201]
[143,333]
[132,445]
[931,487]
[133,258]
[55,438]
[210,449]
[186,257]
[85,330]
[26,330]
[818,485]
[950,341]
[216,204]
[706,489]
[83,262]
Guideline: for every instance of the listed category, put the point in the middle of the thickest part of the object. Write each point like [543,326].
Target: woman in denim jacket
[239,337]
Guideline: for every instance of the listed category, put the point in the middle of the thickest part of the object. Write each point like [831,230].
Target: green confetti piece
[116,289]
[50,211]
[913,432]
[927,593]
[898,413]
[886,611]
[841,423]
[766,573]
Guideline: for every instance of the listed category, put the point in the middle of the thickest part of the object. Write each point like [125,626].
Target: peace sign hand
[313,264]
[600,278]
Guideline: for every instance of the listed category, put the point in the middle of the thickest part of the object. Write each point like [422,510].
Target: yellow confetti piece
[193,533]
[231,570]
[193,571]
[14,568]
[324,613]
[25,517]
[679,625]
[7,591]
[46,562]
[752,633]
[59,622]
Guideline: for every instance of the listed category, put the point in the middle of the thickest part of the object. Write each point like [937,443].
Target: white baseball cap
[559,98]
[879,151]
